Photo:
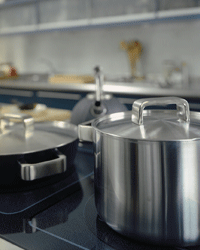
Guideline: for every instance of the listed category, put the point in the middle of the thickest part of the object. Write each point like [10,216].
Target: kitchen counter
[122,88]
[35,88]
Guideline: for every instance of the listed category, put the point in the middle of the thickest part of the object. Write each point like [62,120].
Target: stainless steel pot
[32,152]
[147,170]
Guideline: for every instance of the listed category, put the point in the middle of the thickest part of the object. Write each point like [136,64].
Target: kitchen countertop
[123,88]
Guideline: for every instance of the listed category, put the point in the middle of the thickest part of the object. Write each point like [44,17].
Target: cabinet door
[58,100]
[17,15]
[16,96]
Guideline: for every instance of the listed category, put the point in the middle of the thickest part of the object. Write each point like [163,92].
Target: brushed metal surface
[158,125]
[16,140]
[27,121]
[183,111]
[147,176]
[147,190]
[34,171]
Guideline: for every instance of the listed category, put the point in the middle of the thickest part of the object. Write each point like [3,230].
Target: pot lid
[153,125]
[26,137]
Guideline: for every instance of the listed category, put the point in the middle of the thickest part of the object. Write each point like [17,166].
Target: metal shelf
[16,2]
[157,16]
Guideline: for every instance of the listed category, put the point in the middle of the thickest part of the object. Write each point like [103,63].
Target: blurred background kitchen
[49,48]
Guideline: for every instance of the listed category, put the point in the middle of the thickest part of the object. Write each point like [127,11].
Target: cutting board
[48,114]
[71,79]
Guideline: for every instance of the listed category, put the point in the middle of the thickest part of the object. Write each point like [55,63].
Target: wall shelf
[132,19]
[15,2]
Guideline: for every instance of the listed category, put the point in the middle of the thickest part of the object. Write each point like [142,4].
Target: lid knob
[27,120]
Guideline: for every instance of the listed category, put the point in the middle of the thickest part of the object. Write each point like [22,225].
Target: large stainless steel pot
[147,171]
[31,152]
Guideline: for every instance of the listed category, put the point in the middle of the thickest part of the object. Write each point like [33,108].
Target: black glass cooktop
[67,219]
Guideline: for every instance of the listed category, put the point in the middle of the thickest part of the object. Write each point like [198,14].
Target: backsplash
[78,51]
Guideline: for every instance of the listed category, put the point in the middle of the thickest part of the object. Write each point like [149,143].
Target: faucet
[50,65]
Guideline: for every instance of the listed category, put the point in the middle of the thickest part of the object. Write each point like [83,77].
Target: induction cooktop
[64,217]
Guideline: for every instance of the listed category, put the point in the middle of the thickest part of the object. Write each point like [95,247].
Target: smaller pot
[96,105]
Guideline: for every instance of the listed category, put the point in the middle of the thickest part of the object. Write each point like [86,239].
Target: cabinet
[14,95]
[62,100]
[67,99]
[50,15]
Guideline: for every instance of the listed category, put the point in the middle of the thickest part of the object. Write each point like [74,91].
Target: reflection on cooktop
[72,230]
[22,201]
[16,218]
[56,214]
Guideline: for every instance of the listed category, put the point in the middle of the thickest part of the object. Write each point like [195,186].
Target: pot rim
[194,116]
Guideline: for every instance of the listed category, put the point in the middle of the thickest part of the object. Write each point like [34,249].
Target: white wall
[79,51]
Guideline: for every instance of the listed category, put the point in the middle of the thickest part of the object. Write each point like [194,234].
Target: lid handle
[183,110]
[27,120]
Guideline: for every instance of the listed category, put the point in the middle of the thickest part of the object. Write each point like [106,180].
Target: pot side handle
[30,172]
[182,105]
[85,131]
